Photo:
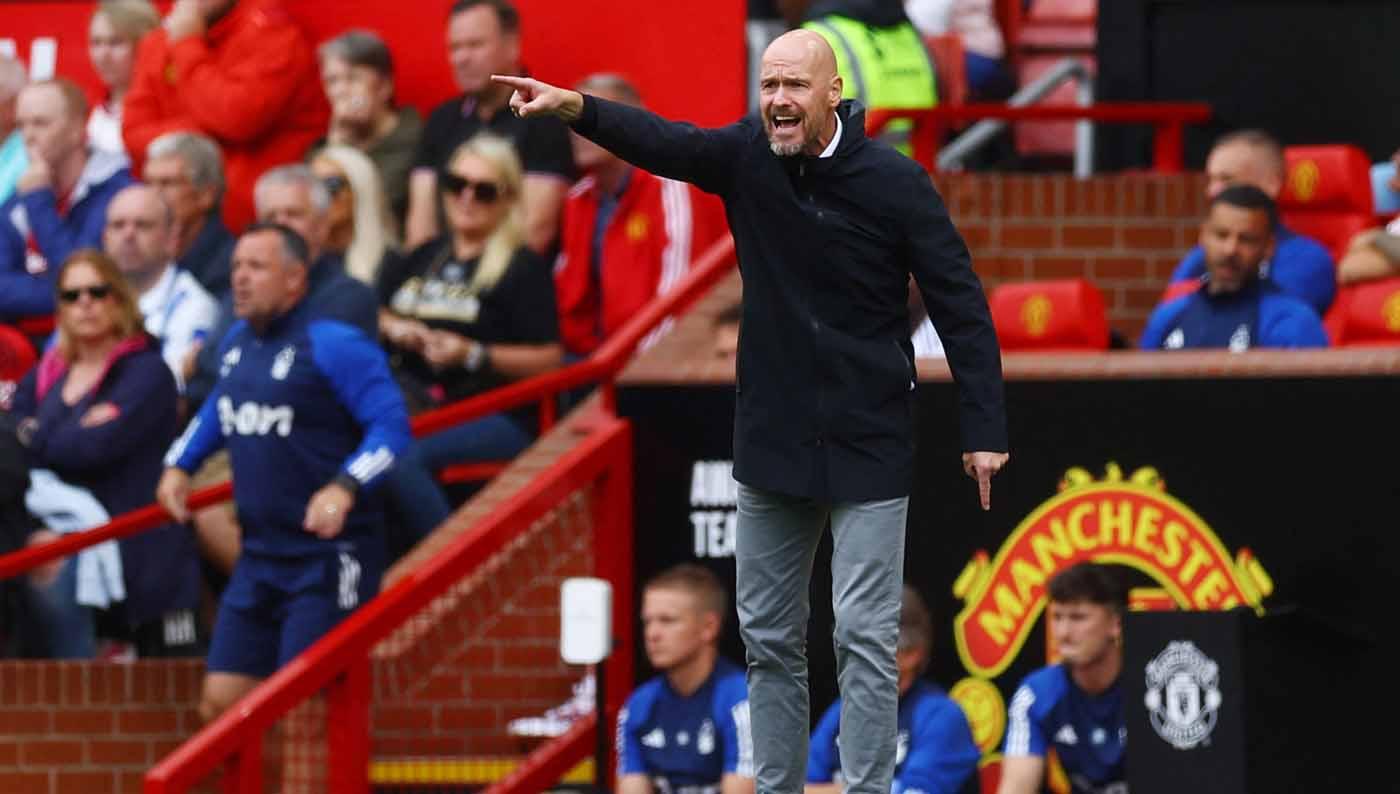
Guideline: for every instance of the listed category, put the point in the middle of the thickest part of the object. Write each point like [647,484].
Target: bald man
[60,201]
[1300,265]
[828,226]
[140,236]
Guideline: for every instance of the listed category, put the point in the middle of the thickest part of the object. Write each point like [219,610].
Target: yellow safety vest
[882,67]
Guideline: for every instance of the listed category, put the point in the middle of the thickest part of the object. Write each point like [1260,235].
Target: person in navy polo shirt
[1235,308]
[312,420]
[686,731]
[1076,705]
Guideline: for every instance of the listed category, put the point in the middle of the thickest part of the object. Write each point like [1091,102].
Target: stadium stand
[1048,316]
[1327,194]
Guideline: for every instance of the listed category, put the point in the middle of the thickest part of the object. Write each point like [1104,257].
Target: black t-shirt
[431,286]
[541,141]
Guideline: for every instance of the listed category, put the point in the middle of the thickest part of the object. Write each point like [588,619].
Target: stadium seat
[1327,195]
[1059,26]
[950,68]
[1050,316]
[1366,315]
[17,356]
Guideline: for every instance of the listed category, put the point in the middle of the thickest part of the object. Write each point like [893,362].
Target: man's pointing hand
[533,98]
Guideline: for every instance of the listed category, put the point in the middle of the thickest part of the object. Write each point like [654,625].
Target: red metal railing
[339,662]
[1168,120]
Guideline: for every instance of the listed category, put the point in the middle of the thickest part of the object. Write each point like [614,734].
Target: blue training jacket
[306,401]
[1087,731]
[935,753]
[686,744]
[1259,315]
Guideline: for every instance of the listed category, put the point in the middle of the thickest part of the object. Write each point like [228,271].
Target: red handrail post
[1167,145]
[347,729]
[612,517]
[243,772]
[549,407]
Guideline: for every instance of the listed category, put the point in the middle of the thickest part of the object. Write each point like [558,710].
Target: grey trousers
[776,544]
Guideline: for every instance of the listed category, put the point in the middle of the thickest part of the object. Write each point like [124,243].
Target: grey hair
[360,48]
[293,174]
[12,77]
[200,154]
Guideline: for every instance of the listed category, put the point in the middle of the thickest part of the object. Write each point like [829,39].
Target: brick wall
[1125,233]
[88,727]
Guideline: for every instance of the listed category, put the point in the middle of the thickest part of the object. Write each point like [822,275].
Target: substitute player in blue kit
[935,753]
[686,731]
[1075,706]
[312,420]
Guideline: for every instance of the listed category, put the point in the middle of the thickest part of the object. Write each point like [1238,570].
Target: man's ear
[835,93]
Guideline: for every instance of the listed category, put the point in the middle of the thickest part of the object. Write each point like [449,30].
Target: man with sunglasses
[828,226]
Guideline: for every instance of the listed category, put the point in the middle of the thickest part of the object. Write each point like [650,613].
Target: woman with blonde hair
[359,225]
[99,411]
[469,311]
[116,28]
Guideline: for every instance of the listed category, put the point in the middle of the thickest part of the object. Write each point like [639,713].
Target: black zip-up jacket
[825,371]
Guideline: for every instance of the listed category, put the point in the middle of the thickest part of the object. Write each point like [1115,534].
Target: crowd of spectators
[477,248]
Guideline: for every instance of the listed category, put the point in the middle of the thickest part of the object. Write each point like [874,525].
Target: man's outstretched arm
[705,157]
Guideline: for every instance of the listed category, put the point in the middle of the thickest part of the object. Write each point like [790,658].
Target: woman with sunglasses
[468,311]
[359,225]
[99,412]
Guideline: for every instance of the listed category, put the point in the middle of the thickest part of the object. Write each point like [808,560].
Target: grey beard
[785,149]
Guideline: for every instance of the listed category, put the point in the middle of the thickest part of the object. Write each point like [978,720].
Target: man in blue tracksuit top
[1235,308]
[1075,706]
[312,420]
[1299,265]
[685,731]
[935,753]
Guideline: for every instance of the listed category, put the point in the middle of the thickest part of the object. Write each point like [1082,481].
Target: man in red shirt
[628,235]
[239,71]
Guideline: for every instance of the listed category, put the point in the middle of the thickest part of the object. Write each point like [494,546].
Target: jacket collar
[52,365]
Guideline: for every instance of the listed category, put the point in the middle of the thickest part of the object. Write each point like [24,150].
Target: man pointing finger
[828,226]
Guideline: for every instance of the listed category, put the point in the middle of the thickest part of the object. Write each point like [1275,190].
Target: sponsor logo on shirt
[254,419]
[1066,735]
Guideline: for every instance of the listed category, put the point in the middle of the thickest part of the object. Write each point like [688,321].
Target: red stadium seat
[1050,315]
[1327,195]
[950,68]
[1059,25]
[17,356]
[1366,315]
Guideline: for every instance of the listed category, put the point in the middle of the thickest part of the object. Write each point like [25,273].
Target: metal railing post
[1084,129]
[979,134]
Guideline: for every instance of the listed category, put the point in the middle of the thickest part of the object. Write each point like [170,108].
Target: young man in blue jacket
[1076,705]
[687,729]
[1235,308]
[312,420]
[828,226]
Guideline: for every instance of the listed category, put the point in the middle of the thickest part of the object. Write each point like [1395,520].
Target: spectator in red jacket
[239,71]
[628,235]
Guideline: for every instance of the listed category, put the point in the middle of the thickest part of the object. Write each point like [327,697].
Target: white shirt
[104,129]
[835,139]
[178,312]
